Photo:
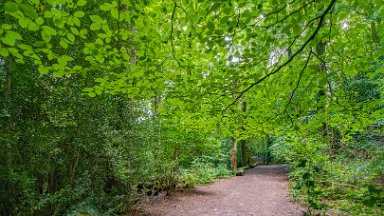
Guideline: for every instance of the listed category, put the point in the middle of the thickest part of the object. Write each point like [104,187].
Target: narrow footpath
[262,191]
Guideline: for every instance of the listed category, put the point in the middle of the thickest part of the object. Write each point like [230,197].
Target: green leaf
[46,37]
[64,59]
[106,6]
[105,28]
[83,31]
[74,31]
[50,56]
[20,61]
[68,58]
[9,40]
[102,35]
[26,47]
[71,37]
[33,27]
[96,18]
[115,13]
[49,30]
[14,35]
[63,44]
[24,22]
[95,26]
[43,69]
[48,14]
[98,90]
[57,12]
[39,21]
[58,73]
[51,2]
[36,2]
[15,52]
[69,21]
[4,52]
[81,3]
[79,14]
[100,58]
[29,11]
[77,68]
[11,7]
[92,94]
[99,80]
[76,21]
[59,22]
[99,41]
[6,26]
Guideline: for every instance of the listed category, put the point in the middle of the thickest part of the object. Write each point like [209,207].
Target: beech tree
[148,89]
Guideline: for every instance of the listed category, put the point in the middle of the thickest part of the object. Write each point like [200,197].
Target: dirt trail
[262,191]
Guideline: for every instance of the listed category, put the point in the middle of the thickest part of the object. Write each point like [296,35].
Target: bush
[202,172]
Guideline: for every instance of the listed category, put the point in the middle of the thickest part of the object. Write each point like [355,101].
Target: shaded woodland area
[103,102]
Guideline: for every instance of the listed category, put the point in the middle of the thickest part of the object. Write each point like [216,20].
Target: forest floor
[262,191]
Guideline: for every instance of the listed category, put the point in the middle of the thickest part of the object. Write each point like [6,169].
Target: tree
[308,73]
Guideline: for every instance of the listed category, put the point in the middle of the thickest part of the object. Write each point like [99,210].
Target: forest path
[262,191]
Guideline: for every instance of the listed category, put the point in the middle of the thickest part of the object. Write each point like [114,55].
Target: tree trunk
[233,154]
[243,143]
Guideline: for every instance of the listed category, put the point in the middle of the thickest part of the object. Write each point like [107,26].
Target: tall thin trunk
[233,144]
[243,142]
[8,107]
[233,154]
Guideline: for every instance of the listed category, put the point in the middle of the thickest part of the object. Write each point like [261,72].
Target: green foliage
[203,171]
[99,97]
[307,160]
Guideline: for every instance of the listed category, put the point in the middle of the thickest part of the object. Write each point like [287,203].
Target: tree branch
[171,36]
[287,16]
[172,18]
[298,80]
[320,24]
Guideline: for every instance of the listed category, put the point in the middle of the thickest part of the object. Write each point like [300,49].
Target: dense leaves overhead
[123,80]
[144,48]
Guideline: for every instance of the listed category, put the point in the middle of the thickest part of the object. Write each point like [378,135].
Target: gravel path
[262,191]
